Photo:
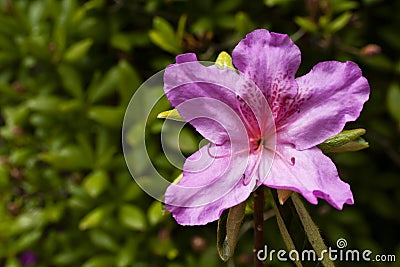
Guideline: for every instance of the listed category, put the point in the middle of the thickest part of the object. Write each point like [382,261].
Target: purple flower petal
[203,87]
[271,61]
[313,175]
[210,181]
[330,95]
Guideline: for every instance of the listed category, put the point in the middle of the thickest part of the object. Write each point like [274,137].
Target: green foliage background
[67,71]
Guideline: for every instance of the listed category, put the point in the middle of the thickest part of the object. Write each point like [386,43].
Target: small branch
[258,224]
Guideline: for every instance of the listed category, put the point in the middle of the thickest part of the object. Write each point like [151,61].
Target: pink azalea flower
[247,138]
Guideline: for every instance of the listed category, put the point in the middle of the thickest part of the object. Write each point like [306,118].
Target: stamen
[255,168]
[292,159]
[225,155]
[238,105]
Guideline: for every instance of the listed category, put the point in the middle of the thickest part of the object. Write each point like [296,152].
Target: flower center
[257,145]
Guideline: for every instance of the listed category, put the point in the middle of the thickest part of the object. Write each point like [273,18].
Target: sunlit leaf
[172,114]
[95,183]
[132,217]
[78,50]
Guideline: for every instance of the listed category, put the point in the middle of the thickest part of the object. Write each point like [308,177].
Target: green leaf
[164,27]
[161,41]
[228,231]
[95,183]
[49,104]
[285,233]
[107,116]
[163,35]
[78,50]
[306,24]
[339,23]
[128,81]
[26,241]
[393,101]
[132,217]
[126,255]
[181,28]
[12,262]
[311,230]
[121,41]
[340,6]
[272,3]
[333,143]
[100,261]
[100,89]
[25,222]
[71,80]
[243,23]
[103,240]
[154,213]
[71,157]
[93,218]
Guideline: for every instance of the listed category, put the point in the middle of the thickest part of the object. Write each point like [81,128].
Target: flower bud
[370,50]
[283,195]
[199,244]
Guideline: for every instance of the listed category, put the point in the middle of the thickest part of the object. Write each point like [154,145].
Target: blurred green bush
[67,71]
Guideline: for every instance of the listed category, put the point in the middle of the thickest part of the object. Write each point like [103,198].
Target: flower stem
[258,224]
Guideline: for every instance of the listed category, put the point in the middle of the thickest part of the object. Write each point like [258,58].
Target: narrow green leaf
[339,23]
[48,104]
[107,116]
[306,24]
[100,261]
[71,80]
[132,217]
[285,233]
[311,230]
[93,218]
[393,101]
[159,39]
[26,240]
[126,254]
[71,157]
[12,262]
[121,41]
[228,231]
[128,81]
[154,213]
[163,35]
[340,6]
[243,23]
[341,139]
[181,28]
[103,240]
[164,27]
[100,89]
[272,3]
[95,183]
[78,50]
